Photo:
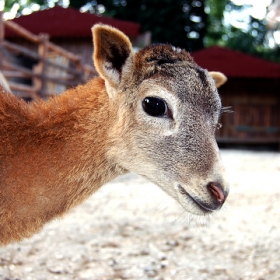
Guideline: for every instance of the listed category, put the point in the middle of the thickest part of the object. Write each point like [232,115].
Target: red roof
[236,64]
[65,23]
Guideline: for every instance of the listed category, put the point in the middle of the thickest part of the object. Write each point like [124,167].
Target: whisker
[227,109]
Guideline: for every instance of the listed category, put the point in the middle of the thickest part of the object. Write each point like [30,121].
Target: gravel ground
[130,229]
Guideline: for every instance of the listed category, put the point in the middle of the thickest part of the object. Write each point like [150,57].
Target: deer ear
[219,78]
[113,54]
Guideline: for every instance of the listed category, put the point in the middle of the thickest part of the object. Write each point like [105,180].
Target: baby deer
[154,112]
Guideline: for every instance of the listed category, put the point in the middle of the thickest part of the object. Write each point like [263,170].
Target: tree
[190,24]
[252,39]
[215,26]
[77,4]
[21,5]
[181,23]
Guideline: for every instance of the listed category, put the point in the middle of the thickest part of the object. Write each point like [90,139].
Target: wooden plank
[22,32]
[21,87]
[10,66]
[256,129]
[72,76]
[15,74]
[63,52]
[2,32]
[1,39]
[259,140]
[68,80]
[37,40]
[89,68]
[41,66]
[21,94]
[61,67]
[19,49]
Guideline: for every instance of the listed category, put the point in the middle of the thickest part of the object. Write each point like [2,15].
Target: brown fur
[51,156]
[56,153]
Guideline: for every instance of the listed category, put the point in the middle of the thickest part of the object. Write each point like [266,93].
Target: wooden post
[42,65]
[78,65]
[1,40]
[40,75]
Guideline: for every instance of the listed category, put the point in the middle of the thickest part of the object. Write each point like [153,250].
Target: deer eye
[155,106]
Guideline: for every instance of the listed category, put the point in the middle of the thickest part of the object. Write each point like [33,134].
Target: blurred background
[251,26]
[46,47]
[130,229]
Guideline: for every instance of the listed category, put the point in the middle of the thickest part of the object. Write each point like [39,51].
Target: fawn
[154,112]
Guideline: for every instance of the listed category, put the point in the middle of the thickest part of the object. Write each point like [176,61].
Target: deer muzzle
[217,193]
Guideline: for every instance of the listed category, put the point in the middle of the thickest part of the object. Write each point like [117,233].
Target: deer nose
[217,192]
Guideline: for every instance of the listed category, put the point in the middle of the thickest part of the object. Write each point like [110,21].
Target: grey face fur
[177,151]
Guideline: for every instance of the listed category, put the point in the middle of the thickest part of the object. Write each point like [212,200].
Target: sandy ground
[130,229]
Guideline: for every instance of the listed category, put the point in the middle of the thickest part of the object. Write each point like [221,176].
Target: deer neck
[53,156]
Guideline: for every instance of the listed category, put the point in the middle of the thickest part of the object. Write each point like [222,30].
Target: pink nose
[217,191]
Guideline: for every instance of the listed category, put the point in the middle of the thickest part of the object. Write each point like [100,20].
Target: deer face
[167,110]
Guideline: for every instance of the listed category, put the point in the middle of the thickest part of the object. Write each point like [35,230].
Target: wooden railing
[56,68]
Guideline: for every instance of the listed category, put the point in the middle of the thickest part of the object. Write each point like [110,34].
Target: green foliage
[253,40]
[24,4]
[215,26]
[181,22]
[9,5]
[190,24]
[76,4]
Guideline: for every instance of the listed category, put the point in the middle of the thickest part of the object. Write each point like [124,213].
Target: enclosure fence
[54,69]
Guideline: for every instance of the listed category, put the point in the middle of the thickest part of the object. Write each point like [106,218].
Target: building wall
[256,111]
[82,47]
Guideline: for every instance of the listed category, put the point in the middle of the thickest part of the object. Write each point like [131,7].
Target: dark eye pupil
[155,107]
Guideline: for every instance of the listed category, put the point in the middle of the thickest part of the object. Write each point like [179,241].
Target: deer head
[167,110]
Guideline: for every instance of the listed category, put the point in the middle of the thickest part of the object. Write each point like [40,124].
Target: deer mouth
[206,208]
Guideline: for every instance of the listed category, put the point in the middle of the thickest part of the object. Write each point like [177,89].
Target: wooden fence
[55,69]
